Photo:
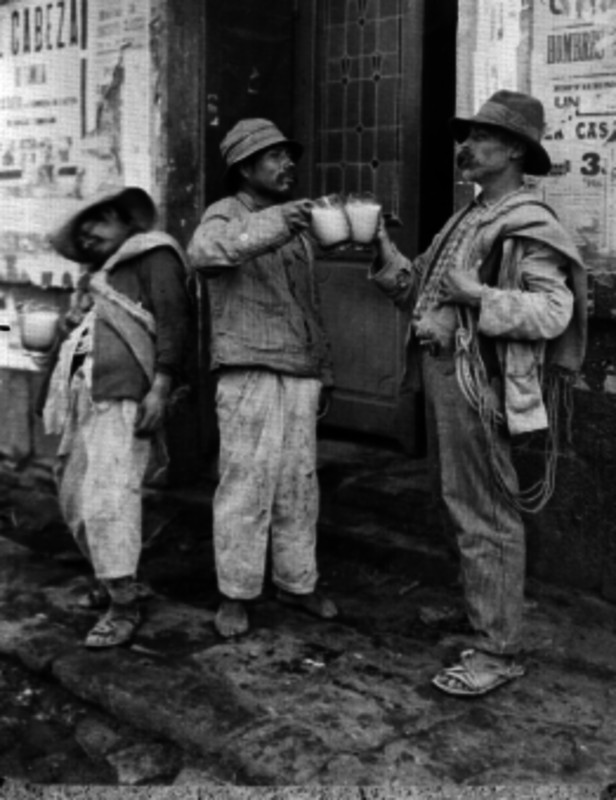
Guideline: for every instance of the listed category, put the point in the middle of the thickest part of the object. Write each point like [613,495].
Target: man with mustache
[272,360]
[498,311]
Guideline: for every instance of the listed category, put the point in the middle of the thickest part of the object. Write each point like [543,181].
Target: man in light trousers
[272,361]
[109,388]
[498,304]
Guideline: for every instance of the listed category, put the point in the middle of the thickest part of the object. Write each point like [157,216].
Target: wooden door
[363,110]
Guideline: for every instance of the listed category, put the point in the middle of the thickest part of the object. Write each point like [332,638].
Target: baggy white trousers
[268,482]
[100,482]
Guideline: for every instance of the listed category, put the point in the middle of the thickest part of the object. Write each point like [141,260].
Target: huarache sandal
[476,675]
[114,628]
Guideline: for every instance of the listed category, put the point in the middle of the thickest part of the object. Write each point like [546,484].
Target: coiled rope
[473,381]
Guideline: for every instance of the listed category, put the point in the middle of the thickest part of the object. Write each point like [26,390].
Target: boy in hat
[497,301]
[271,358]
[110,385]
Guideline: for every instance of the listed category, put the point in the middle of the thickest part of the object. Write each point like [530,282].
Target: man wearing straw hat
[110,386]
[271,358]
[498,316]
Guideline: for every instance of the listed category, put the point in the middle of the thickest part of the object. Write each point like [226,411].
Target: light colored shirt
[541,309]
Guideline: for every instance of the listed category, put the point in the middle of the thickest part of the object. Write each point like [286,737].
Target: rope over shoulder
[473,380]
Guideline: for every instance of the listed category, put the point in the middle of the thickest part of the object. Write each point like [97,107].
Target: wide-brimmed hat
[249,136]
[132,201]
[517,113]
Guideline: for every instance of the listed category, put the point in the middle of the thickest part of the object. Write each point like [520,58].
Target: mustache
[464,159]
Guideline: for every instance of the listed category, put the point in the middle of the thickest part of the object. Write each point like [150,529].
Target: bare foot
[313,603]
[231,619]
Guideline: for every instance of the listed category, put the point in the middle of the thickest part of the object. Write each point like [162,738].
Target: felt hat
[249,136]
[132,201]
[517,113]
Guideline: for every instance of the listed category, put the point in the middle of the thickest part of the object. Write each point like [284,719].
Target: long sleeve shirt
[263,294]
[540,307]
[533,292]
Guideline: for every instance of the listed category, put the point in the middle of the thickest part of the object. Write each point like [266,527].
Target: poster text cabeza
[52,26]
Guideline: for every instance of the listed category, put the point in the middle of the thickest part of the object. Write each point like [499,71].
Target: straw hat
[134,202]
[517,113]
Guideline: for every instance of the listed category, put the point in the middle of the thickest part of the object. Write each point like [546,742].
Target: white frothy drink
[330,225]
[364,219]
[38,328]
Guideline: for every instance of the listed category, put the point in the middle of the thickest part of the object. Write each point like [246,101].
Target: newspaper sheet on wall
[574,74]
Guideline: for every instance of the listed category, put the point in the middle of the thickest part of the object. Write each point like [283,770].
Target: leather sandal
[114,628]
[477,674]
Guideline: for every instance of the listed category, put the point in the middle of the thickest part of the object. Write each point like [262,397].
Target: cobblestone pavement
[296,702]
[49,737]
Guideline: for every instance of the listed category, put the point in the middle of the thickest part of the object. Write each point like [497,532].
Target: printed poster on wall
[118,97]
[574,74]
[497,41]
[42,51]
[74,118]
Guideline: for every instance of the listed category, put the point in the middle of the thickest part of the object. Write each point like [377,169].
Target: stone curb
[199,709]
